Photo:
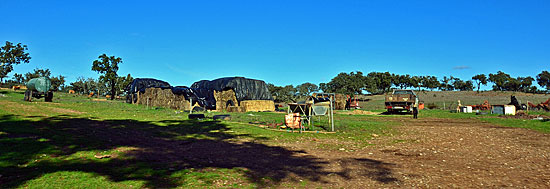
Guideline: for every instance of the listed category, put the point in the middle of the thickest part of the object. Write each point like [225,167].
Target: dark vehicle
[38,88]
[401,100]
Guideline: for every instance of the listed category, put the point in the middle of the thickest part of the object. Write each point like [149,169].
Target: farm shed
[232,92]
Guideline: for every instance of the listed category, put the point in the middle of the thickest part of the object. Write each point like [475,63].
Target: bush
[431,106]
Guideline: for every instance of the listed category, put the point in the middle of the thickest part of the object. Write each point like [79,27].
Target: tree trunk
[112,90]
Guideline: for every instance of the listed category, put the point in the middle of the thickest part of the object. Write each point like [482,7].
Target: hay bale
[235,109]
[158,97]
[224,99]
[340,101]
[258,105]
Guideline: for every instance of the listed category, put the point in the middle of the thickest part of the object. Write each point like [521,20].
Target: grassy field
[80,142]
[63,144]
[449,99]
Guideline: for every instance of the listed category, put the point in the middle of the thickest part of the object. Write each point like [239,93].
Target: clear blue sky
[281,42]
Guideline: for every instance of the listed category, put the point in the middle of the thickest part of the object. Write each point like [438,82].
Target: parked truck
[401,100]
[39,87]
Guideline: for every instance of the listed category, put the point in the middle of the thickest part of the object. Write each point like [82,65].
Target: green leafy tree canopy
[480,79]
[12,55]
[543,79]
[108,66]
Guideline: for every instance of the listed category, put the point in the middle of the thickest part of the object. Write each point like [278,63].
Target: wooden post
[309,116]
[190,105]
[331,114]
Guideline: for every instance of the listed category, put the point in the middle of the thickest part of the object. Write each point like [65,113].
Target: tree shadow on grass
[153,153]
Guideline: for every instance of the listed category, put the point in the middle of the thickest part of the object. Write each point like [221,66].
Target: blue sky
[281,42]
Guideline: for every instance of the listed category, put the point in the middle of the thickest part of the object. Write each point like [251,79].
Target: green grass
[56,145]
[538,125]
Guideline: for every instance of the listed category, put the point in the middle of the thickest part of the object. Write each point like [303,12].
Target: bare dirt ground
[448,153]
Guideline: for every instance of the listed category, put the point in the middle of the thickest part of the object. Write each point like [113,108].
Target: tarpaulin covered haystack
[245,89]
[230,93]
[140,85]
[159,97]
[204,98]
[154,92]
[225,94]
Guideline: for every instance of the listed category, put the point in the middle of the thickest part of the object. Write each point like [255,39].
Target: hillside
[466,98]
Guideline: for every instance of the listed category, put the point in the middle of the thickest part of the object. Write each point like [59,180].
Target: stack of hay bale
[340,102]
[227,101]
[224,99]
[258,105]
[163,98]
[246,95]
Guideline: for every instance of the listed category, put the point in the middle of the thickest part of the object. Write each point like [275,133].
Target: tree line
[108,83]
[356,83]
[353,83]
[381,82]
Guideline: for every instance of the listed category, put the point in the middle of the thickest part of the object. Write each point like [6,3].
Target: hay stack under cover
[245,89]
[258,105]
[163,98]
[340,101]
[224,99]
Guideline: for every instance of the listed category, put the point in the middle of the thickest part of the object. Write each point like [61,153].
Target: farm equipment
[484,106]
[514,101]
[542,106]
[401,100]
[38,88]
[351,103]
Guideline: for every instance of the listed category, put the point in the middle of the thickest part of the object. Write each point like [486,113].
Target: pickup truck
[401,100]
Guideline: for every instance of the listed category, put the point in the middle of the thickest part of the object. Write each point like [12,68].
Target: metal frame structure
[309,106]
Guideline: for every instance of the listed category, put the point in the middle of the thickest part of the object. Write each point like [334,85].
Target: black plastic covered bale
[200,96]
[140,84]
[245,89]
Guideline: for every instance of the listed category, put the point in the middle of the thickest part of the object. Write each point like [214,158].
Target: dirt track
[433,152]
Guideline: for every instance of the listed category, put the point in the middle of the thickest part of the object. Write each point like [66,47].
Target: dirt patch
[430,152]
[29,109]
[358,112]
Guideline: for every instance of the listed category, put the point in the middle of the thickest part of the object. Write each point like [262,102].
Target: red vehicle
[351,103]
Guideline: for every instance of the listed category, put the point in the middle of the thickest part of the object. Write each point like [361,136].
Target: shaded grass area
[77,142]
[141,151]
